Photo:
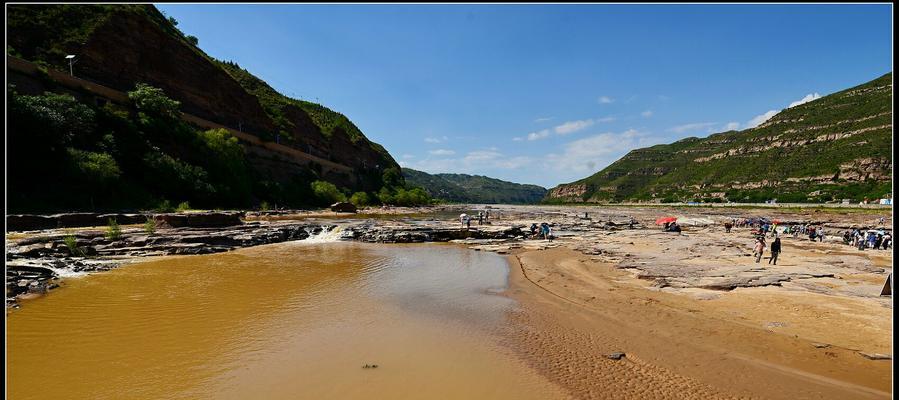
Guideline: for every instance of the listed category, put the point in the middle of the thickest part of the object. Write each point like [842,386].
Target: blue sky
[545,94]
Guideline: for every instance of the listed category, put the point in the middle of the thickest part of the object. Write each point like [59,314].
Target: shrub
[360,199]
[71,243]
[263,206]
[326,193]
[193,40]
[113,231]
[165,206]
[183,206]
[150,226]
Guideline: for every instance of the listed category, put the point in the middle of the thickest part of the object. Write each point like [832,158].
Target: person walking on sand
[775,250]
[759,249]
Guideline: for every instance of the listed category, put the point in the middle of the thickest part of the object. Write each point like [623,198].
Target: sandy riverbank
[754,342]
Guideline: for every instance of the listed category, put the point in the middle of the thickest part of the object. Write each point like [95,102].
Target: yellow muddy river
[286,321]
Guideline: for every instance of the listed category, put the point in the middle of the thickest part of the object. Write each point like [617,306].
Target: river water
[296,320]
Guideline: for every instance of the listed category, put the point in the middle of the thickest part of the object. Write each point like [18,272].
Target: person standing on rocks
[727,226]
[759,249]
[480,217]
[465,220]
[775,250]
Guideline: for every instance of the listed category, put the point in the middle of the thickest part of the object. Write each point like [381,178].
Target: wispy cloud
[731,126]
[408,156]
[542,134]
[543,119]
[592,153]
[573,126]
[809,97]
[691,127]
[761,118]
[441,139]
[606,119]
[442,152]
[646,114]
[473,162]
[605,100]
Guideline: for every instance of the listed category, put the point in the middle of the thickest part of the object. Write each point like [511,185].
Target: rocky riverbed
[701,257]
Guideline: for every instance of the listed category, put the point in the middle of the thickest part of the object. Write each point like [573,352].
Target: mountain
[835,147]
[462,188]
[286,143]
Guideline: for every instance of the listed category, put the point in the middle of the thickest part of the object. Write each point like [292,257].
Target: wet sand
[575,311]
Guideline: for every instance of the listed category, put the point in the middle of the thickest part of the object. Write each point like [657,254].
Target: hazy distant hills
[835,147]
[462,188]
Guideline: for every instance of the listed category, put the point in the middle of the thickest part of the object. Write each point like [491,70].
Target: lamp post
[71,58]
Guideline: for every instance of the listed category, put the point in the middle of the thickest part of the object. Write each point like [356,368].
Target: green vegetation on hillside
[142,155]
[462,188]
[824,146]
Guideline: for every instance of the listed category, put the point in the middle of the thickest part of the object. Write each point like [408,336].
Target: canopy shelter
[665,220]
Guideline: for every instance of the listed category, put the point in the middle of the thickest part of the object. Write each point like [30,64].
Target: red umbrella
[665,220]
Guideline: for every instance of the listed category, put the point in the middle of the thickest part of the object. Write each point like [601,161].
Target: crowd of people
[861,239]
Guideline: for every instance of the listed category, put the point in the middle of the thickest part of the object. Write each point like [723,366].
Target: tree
[99,169]
[326,193]
[193,40]
[360,199]
[153,101]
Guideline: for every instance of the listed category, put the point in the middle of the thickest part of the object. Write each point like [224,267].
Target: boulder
[343,207]
[28,222]
[74,220]
[213,219]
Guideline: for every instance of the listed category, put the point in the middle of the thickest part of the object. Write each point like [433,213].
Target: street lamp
[71,58]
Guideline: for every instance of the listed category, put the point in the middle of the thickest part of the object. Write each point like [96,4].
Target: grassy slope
[464,188]
[56,30]
[669,171]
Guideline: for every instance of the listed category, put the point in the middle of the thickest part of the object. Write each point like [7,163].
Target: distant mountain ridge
[836,147]
[462,188]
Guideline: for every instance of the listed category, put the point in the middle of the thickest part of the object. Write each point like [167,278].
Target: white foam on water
[65,272]
[335,234]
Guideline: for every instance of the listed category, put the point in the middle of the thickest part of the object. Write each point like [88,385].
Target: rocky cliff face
[126,45]
[839,146]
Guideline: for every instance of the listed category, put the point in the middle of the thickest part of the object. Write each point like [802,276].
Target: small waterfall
[326,235]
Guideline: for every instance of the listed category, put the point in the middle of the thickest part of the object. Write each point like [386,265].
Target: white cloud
[543,119]
[538,135]
[759,119]
[646,114]
[408,156]
[731,126]
[517,139]
[573,126]
[606,119]
[588,155]
[809,97]
[690,127]
[605,100]
[474,162]
[442,152]
[436,140]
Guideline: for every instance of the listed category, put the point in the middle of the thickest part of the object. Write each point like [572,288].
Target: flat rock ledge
[36,263]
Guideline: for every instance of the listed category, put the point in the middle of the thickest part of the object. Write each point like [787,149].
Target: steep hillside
[836,147]
[462,188]
[285,142]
